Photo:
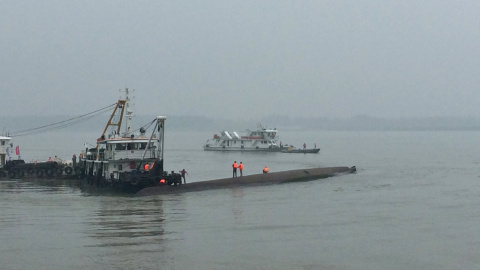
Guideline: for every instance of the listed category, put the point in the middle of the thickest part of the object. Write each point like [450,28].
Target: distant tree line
[280,122]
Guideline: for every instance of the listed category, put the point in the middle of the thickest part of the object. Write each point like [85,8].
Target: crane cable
[61,124]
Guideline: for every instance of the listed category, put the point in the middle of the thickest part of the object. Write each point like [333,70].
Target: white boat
[261,139]
[4,147]
[120,156]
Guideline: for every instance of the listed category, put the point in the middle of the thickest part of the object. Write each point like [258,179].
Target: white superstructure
[4,147]
[262,139]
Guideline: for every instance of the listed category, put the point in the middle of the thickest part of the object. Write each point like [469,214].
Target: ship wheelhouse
[126,148]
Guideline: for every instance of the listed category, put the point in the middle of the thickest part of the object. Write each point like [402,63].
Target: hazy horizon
[16,124]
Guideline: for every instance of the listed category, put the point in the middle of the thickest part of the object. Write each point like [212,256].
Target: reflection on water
[118,223]
[135,231]
[43,185]
[237,207]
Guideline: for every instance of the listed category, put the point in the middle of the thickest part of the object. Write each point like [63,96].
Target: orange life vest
[235,165]
[146,167]
[265,170]
[240,166]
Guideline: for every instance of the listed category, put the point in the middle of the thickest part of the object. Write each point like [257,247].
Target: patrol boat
[126,159]
[261,139]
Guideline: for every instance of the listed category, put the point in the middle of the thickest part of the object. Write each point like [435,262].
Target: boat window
[143,145]
[131,146]
[119,146]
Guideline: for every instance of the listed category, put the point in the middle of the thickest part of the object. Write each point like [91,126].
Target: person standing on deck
[234,166]
[265,170]
[183,172]
[304,146]
[240,167]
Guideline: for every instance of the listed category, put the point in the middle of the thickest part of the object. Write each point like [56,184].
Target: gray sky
[242,58]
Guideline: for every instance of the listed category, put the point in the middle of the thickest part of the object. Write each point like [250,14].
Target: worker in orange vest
[240,167]
[265,170]
[146,167]
[234,166]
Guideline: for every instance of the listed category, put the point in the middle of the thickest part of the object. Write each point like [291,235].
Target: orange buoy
[162,181]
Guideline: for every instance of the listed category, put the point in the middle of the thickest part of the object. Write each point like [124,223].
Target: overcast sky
[242,58]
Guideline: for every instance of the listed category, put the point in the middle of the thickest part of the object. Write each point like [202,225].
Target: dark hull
[129,182]
[19,169]
[306,151]
[103,186]
[251,180]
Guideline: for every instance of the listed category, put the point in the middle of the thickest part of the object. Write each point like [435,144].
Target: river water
[413,204]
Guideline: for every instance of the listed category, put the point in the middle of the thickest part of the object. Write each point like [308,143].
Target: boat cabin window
[120,146]
[131,146]
[144,145]
[3,143]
